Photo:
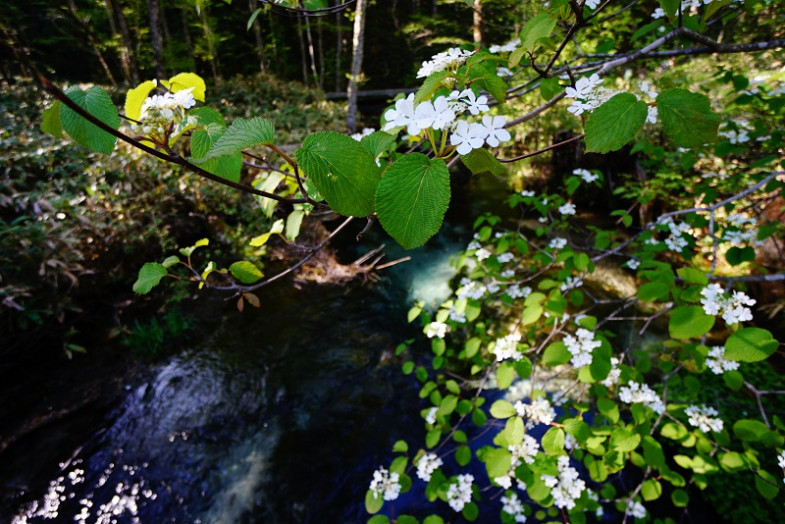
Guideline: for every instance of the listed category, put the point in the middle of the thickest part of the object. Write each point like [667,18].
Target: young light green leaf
[502,409]
[96,102]
[556,354]
[553,441]
[293,222]
[252,18]
[687,117]
[412,198]
[614,123]
[750,345]
[267,182]
[245,272]
[149,276]
[342,170]
[50,121]
[135,98]
[185,81]
[243,134]
[430,85]
[482,161]
[206,116]
[689,322]
[202,140]
[536,29]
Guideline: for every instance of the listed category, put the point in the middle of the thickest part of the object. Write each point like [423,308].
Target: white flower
[424,115]
[613,376]
[635,393]
[702,417]
[385,484]
[781,459]
[507,273]
[636,509]
[733,309]
[494,126]
[583,87]
[460,494]
[512,506]
[448,59]
[471,289]
[557,243]
[581,347]
[505,257]
[586,175]
[527,193]
[482,254]
[658,13]
[571,283]
[443,113]
[164,106]
[525,451]
[436,329]
[567,209]
[651,93]
[592,4]
[507,347]
[633,263]
[506,48]
[651,115]
[468,136]
[538,412]
[475,104]
[427,465]
[362,134]
[430,417]
[717,362]
[401,115]
[567,487]
[516,291]
[577,108]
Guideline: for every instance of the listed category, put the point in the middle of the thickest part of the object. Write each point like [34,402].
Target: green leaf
[470,511]
[262,239]
[687,117]
[245,272]
[202,140]
[553,441]
[531,314]
[463,455]
[170,261]
[497,462]
[502,409]
[738,255]
[185,81]
[689,322]
[651,490]
[342,170]
[149,276]
[767,484]
[680,498]
[536,29]
[651,291]
[653,453]
[252,18]
[482,161]
[50,121]
[556,354]
[430,85]
[670,7]
[577,428]
[96,102]
[608,408]
[504,375]
[373,502]
[732,461]
[412,198]
[614,123]
[433,519]
[472,346]
[135,98]
[624,440]
[293,222]
[377,143]
[750,430]
[750,345]
[267,182]
[693,276]
[207,115]
[243,134]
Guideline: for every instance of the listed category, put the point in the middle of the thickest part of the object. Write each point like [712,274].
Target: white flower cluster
[470,289]
[512,506]
[742,234]
[467,137]
[164,106]
[451,58]
[635,393]
[507,347]
[430,417]
[557,243]
[567,487]
[781,459]
[481,254]
[385,484]
[704,418]
[633,263]
[436,329]
[676,240]
[571,283]
[567,209]
[636,509]
[717,362]
[516,291]
[506,48]
[455,316]
[538,412]
[427,465]
[686,5]
[362,134]
[525,451]
[586,175]
[588,94]
[460,494]
[581,347]
[732,308]
[613,376]
[505,257]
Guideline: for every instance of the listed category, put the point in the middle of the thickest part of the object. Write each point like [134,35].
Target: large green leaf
[536,29]
[243,134]
[482,161]
[750,345]
[689,322]
[377,143]
[412,199]
[342,170]
[202,140]
[135,98]
[614,123]
[245,271]
[687,117]
[50,121]
[96,102]
[149,276]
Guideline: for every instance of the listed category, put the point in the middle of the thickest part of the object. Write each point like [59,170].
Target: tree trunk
[157,40]
[126,55]
[477,21]
[93,41]
[338,50]
[189,43]
[311,52]
[252,6]
[320,41]
[358,39]
[302,50]
[212,57]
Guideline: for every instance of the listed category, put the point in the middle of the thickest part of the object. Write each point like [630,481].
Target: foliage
[155,337]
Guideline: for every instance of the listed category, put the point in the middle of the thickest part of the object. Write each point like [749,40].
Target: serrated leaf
[243,134]
[342,170]
[482,161]
[614,123]
[50,121]
[536,29]
[245,271]
[377,143]
[135,98]
[149,276]
[96,102]
[412,198]
[653,453]
[207,115]
[689,322]
[202,140]
[185,81]
[693,276]
[687,117]
[430,85]
[750,345]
